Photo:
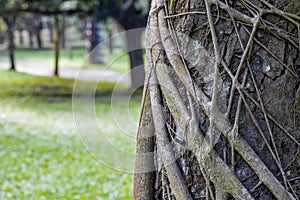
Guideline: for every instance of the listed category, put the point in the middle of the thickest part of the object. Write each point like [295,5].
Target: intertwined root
[219,125]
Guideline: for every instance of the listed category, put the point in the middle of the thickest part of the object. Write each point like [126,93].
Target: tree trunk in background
[30,38]
[93,33]
[108,26]
[136,53]
[29,27]
[63,32]
[110,40]
[9,20]
[132,20]
[51,32]
[220,115]
[38,26]
[21,37]
[56,44]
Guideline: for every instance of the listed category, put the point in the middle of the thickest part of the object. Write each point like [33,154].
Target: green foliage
[6,5]
[47,6]
[2,30]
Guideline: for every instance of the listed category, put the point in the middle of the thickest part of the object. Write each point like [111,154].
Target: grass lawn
[41,154]
[116,61]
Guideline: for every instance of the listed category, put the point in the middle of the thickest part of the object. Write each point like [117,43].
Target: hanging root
[174,100]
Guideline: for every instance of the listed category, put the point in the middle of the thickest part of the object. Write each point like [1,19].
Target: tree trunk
[63,32]
[30,38]
[110,40]
[56,44]
[132,20]
[38,26]
[220,115]
[51,32]
[94,30]
[21,38]
[9,20]
[136,53]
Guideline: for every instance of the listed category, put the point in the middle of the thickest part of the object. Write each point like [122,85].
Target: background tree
[37,30]
[50,27]
[130,14]
[58,9]
[56,44]
[109,27]
[9,9]
[20,22]
[220,117]
[64,26]
[10,20]
[94,38]
[29,28]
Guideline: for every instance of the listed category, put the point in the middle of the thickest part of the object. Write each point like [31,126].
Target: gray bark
[224,101]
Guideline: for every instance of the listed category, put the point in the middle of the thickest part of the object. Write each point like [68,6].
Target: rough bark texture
[222,98]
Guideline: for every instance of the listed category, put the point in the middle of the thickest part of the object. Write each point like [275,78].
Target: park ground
[41,154]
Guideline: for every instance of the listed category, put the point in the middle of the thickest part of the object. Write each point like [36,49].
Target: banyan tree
[220,114]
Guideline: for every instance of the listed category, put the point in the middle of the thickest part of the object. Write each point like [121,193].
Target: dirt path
[98,75]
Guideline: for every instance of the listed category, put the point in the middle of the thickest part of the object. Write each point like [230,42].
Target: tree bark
[222,100]
[144,170]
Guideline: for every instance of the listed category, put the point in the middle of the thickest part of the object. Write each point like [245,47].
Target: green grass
[41,154]
[117,61]
[13,83]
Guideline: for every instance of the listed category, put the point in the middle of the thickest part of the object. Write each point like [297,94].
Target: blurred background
[44,45]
